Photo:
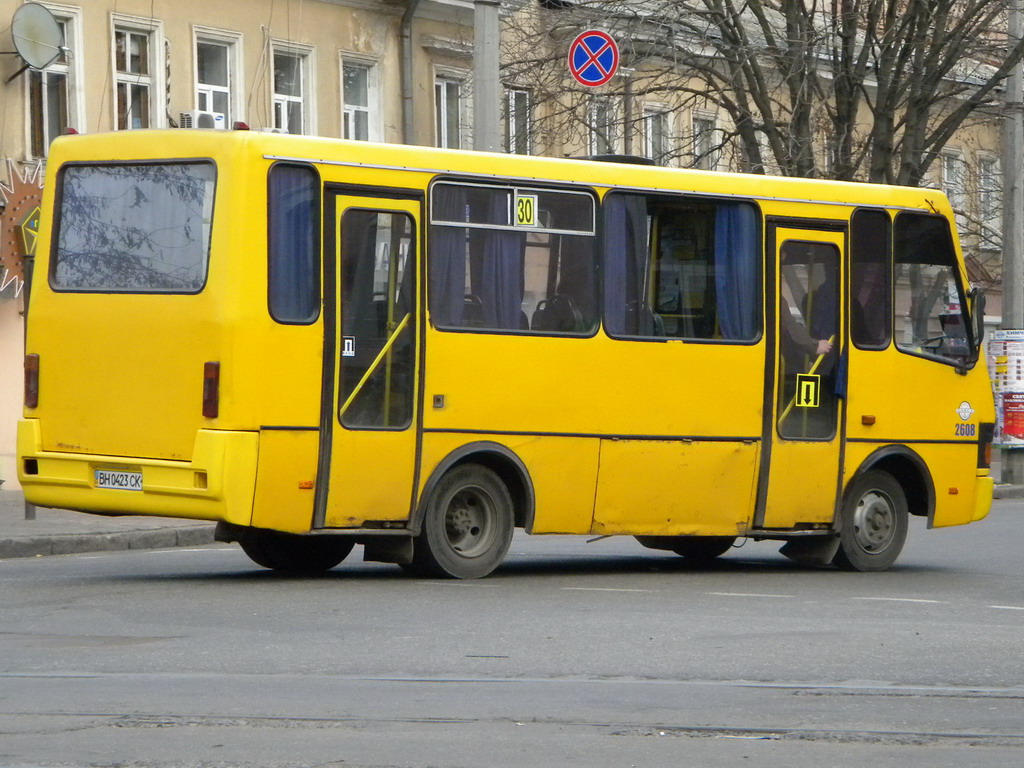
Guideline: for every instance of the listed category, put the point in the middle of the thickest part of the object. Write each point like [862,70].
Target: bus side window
[489,272]
[870,279]
[294,244]
[687,269]
[929,296]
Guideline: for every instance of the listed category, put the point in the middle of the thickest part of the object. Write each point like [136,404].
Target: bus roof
[188,143]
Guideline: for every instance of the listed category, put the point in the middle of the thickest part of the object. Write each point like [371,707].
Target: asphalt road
[572,654]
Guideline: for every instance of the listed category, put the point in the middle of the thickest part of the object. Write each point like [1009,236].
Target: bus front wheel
[291,553]
[467,527]
[873,527]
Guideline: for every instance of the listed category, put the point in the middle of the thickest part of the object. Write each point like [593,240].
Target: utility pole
[1013,216]
[486,80]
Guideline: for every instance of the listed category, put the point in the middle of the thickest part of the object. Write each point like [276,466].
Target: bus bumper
[217,484]
[984,489]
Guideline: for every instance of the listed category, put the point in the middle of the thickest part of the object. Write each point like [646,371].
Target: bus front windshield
[931,307]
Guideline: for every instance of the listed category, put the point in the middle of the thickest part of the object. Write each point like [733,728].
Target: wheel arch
[501,460]
[909,470]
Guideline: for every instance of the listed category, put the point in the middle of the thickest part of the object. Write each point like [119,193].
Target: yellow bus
[319,343]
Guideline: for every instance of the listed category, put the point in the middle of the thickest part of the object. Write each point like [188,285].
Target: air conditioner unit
[197,118]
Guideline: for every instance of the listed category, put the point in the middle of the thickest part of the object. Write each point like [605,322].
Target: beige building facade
[370,70]
[375,70]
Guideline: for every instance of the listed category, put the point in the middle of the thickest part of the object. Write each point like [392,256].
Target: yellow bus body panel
[563,472]
[217,484]
[675,488]
[286,480]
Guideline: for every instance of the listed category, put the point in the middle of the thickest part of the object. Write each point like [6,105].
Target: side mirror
[976,297]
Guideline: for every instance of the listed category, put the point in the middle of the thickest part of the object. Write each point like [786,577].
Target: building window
[49,98]
[356,85]
[953,179]
[705,143]
[655,130]
[134,79]
[988,189]
[448,108]
[518,116]
[213,79]
[292,91]
[603,138]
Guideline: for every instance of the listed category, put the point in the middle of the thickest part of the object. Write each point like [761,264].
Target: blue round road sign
[593,58]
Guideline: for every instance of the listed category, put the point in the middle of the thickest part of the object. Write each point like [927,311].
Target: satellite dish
[38,38]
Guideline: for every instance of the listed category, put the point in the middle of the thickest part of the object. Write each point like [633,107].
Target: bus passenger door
[800,465]
[368,425]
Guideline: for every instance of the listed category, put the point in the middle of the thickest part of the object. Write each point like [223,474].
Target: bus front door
[800,467]
[368,425]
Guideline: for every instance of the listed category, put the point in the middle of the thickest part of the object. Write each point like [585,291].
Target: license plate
[124,481]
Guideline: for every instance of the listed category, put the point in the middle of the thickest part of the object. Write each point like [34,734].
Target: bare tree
[849,89]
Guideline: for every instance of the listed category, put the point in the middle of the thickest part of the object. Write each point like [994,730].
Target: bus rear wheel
[467,527]
[873,527]
[691,547]
[291,553]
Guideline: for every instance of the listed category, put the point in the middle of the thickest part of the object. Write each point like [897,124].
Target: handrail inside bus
[817,362]
[375,364]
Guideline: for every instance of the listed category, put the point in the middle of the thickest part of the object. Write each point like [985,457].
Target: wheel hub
[874,522]
[469,522]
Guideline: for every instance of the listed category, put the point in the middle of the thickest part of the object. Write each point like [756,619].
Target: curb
[71,544]
[1008,492]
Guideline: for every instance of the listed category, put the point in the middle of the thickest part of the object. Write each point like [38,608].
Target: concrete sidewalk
[60,532]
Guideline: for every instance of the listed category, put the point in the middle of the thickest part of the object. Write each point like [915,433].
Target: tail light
[211,390]
[986,432]
[31,381]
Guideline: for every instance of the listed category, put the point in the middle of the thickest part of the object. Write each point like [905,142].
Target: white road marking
[1008,607]
[744,594]
[900,599]
[604,589]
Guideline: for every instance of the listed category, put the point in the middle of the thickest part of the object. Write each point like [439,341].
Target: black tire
[292,553]
[467,526]
[873,527]
[703,547]
[691,547]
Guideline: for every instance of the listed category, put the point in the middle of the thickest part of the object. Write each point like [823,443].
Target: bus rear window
[133,228]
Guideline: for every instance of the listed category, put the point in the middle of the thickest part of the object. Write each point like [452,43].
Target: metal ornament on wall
[19,225]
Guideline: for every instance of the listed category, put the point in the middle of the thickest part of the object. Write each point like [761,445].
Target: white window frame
[990,191]
[155,81]
[953,170]
[71,19]
[307,69]
[659,113]
[512,133]
[608,122]
[234,43]
[461,80]
[704,157]
[373,107]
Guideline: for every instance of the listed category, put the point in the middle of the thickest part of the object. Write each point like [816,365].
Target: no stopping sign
[593,58]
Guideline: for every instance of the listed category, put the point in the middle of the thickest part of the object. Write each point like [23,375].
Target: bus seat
[473,312]
[559,313]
